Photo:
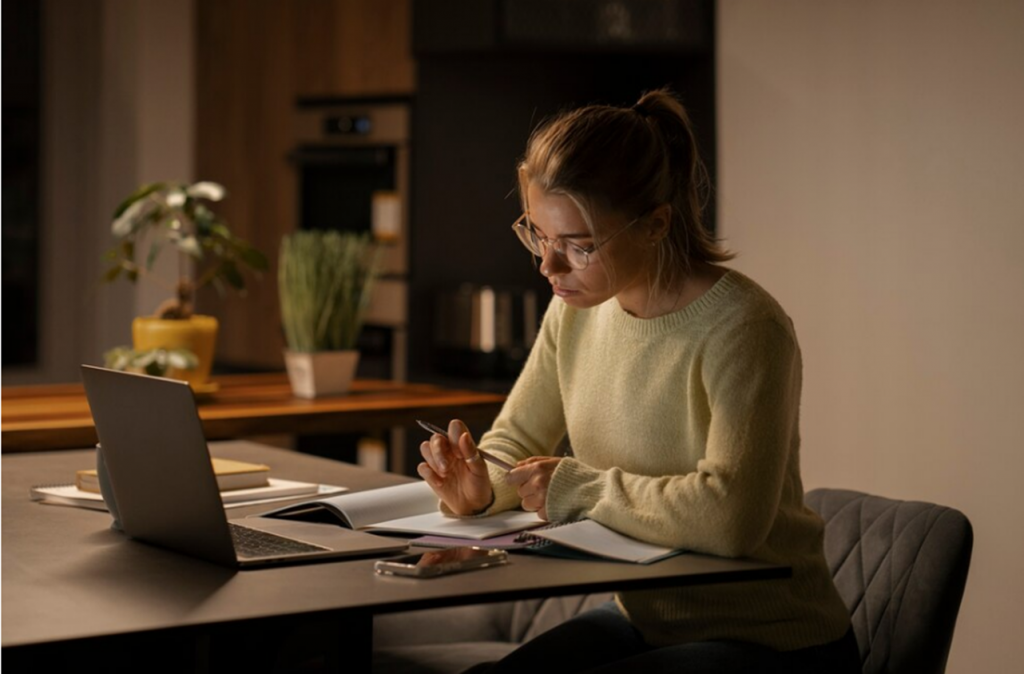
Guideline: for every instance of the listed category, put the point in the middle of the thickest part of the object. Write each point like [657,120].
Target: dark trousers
[603,640]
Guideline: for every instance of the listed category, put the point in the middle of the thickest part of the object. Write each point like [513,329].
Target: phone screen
[441,562]
[446,556]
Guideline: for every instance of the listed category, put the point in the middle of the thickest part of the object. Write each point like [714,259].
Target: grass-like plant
[324,284]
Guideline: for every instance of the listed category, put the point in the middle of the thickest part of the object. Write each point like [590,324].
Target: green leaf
[140,193]
[206,189]
[184,218]
[254,258]
[188,245]
[118,358]
[151,361]
[176,198]
[221,230]
[112,274]
[182,359]
[229,272]
[154,252]
[204,220]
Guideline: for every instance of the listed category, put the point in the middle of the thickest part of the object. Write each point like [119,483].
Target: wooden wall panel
[254,58]
[313,43]
[244,101]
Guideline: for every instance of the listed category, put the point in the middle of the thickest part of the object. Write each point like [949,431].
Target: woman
[677,382]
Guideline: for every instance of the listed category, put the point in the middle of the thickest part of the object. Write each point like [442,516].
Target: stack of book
[240,482]
[230,474]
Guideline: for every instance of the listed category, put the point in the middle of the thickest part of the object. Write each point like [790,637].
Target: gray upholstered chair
[900,566]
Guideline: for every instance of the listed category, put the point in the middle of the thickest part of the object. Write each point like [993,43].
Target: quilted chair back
[901,567]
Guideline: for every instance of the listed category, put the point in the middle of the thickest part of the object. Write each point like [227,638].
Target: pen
[504,465]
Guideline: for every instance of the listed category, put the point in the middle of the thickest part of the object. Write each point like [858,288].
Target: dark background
[487,74]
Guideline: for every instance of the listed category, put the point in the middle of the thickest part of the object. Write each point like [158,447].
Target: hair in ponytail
[629,160]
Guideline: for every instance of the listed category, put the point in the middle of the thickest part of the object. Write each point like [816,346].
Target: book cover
[231,475]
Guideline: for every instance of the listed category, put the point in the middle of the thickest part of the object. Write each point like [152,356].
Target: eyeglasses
[576,256]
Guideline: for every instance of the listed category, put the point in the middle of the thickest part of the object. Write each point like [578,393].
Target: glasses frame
[557,244]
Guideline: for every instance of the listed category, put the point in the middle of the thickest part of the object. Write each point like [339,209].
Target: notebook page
[366,508]
[597,539]
[477,528]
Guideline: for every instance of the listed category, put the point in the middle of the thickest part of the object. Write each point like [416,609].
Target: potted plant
[324,282]
[175,341]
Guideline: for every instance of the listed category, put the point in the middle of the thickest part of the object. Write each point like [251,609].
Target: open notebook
[404,508]
[584,539]
[596,539]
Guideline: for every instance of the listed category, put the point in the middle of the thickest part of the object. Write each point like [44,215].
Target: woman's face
[617,269]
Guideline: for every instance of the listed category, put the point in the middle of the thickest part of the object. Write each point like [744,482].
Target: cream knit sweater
[684,431]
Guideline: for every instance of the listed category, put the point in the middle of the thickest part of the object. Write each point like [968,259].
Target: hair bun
[641,110]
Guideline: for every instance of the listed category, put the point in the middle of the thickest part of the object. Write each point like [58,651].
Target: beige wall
[871,176]
[118,111]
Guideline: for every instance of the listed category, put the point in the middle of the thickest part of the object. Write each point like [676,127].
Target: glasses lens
[576,256]
[529,239]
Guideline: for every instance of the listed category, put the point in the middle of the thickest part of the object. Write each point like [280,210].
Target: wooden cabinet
[254,59]
[352,47]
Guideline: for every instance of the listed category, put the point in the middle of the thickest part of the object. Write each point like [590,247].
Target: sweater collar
[644,327]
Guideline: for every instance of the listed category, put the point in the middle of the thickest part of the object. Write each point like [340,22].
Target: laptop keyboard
[256,543]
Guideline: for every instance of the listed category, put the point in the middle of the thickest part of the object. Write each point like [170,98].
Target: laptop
[166,491]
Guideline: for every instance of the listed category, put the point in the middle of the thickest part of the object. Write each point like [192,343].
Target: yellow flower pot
[198,334]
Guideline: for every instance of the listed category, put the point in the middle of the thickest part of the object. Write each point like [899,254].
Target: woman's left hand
[531,477]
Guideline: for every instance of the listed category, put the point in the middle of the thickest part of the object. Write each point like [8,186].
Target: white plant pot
[322,373]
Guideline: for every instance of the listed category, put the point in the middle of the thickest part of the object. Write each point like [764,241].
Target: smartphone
[441,562]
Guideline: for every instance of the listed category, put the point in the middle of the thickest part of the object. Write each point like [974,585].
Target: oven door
[337,190]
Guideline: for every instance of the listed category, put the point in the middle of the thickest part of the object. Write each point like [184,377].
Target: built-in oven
[351,160]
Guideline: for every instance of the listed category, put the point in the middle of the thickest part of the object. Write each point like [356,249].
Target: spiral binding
[536,541]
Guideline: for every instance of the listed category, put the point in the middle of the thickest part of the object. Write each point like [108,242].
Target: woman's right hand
[456,471]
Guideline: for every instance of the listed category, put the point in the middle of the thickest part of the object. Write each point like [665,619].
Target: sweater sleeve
[532,421]
[751,380]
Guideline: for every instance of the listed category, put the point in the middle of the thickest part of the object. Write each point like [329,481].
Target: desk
[58,417]
[71,585]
